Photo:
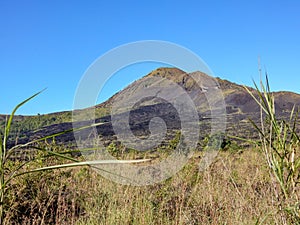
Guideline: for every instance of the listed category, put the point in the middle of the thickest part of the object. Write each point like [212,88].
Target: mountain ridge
[239,107]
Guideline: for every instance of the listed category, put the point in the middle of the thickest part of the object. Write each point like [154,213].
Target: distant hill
[239,108]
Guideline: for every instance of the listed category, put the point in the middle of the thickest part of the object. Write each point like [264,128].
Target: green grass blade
[297,164]
[257,128]
[267,83]
[8,124]
[260,100]
[1,146]
[59,155]
[243,139]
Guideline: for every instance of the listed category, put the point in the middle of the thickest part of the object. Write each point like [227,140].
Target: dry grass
[236,189]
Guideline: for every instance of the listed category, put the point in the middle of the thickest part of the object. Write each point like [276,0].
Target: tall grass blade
[86,163]
[8,124]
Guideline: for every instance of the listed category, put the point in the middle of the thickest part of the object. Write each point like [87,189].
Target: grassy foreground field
[235,189]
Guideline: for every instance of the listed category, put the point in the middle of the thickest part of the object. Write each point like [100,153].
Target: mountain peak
[166,72]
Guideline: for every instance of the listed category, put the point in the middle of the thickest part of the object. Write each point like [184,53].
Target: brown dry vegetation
[235,189]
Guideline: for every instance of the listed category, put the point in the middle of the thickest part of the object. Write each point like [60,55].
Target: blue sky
[52,43]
